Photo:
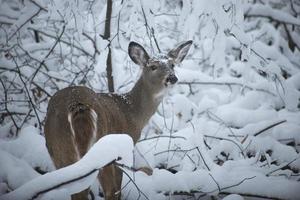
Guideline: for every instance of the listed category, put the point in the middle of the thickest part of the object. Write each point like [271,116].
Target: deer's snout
[172,79]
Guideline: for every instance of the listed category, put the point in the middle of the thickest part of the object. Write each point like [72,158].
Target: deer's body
[77,116]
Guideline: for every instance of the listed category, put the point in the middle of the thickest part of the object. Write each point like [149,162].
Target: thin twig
[175,150]
[237,184]
[6,107]
[28,20]
[38,5]
[32,82]
[28,94]
[48,54]
[136,186]
[269,127]
[263,197]
[282,166]
[219,188]
[162,136]
[203,158]
[62,41]
[226,84]
[93,41]
[221,138]
[150,31]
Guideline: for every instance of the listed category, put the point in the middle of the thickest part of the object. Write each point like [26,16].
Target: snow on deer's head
[158,70]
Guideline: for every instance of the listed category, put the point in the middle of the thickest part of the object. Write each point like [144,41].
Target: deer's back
[75,114]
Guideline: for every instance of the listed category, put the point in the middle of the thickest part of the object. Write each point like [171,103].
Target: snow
[229,129]
[231,116]
[233,197]
[26,14]
[14,171]
[202,181]
[30,147]
[267,11]
[96,158]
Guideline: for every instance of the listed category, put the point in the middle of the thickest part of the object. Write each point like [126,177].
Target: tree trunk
[110,78]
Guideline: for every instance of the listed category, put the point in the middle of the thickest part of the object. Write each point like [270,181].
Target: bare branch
[6,107]
[62,41]
[49,53]
[226,84]
[202,158]
[136,186]
[28,95]
[269,127]
[222,138]
[282,166]
[28,20]
[150,30]
[70,181]
[162,136]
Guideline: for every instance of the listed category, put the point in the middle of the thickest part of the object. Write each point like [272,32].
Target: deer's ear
[179,53]
[138,54]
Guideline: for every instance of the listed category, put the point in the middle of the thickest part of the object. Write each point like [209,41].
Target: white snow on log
[236,181]
[106,150]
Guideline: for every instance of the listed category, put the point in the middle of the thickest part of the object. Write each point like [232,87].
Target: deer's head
[158,71]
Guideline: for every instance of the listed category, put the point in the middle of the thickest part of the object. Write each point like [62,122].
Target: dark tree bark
[106,36]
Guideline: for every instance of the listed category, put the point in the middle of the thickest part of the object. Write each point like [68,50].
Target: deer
[77,117]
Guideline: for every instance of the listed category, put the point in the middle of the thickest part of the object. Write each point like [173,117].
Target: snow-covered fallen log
[223,181]
[80,175]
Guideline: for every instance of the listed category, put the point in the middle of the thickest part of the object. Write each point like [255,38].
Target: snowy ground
[206,147]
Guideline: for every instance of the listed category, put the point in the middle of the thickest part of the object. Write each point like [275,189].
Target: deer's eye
[153,67]
[172,65]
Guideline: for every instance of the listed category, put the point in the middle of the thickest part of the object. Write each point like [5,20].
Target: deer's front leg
[83,195]
[111,179]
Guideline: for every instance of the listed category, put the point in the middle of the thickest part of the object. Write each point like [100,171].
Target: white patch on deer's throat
[160,95]
[73,134]
[94,117]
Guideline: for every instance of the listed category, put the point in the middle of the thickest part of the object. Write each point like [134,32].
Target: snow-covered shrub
[230,126]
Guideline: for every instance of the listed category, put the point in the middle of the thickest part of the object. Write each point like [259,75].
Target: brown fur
[75,114]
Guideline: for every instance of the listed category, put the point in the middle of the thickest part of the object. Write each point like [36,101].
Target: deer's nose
[172,79]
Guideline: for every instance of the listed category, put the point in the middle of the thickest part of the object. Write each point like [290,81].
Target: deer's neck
[144,101]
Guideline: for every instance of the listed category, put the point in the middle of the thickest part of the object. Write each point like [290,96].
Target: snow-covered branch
[265,11]
[80,175]
[233,116]
[200,182]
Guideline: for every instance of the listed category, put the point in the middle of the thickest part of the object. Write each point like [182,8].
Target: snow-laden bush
[230,126]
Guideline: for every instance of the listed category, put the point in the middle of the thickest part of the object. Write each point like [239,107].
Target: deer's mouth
[171,80]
